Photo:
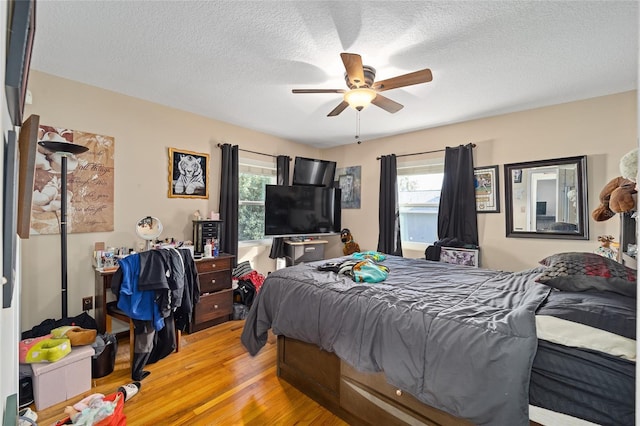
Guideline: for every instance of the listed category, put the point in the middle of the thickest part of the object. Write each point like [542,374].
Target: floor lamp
[64,149]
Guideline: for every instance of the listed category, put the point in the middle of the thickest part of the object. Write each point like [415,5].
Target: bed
[434,343]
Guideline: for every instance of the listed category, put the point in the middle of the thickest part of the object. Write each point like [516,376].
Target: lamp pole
[63,235]
[65,149]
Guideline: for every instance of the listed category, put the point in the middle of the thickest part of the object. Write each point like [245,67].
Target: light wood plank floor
[211,381]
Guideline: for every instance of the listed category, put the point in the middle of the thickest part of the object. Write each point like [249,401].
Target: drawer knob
[399,392]
[213,266]
[213,281]
[215,306]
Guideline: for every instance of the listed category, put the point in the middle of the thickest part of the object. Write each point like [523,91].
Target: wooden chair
[114,312]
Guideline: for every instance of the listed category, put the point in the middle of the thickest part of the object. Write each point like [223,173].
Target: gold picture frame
[188,174]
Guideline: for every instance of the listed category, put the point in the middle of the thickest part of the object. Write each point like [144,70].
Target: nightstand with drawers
[216,295]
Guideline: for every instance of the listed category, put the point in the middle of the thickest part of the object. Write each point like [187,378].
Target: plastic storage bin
[54,382]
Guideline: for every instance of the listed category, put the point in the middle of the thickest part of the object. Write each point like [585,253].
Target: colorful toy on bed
[350,246]
[43,349]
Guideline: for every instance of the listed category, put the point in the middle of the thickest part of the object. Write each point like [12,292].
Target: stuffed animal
[350,246]
[605,249]
[615,197]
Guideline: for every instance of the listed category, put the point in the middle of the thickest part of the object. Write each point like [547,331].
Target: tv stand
[301,251]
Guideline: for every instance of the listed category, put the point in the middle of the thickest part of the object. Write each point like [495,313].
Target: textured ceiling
[237,61]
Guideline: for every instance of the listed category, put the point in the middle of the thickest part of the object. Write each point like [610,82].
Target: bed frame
[356,397]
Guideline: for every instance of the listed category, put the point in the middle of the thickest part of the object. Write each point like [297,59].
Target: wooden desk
[216,295]
[102,290]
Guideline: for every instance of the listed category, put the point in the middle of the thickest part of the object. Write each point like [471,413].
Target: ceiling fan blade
[318,91]
[387,104]
[353,64]
[337,110]
[417,77]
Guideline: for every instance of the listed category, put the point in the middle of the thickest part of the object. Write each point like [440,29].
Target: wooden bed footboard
[356,397]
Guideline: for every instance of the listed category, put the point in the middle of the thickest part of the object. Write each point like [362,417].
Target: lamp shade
[359,98]
[63,147]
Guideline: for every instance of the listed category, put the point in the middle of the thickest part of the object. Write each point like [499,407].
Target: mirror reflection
[547,199]
[149,228]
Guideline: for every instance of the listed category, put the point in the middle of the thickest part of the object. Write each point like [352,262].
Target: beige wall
[602,128]
[143,132]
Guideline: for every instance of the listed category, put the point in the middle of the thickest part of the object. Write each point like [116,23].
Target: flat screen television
[308,171]
[301,210]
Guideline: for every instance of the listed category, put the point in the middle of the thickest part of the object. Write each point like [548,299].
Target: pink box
[54,382]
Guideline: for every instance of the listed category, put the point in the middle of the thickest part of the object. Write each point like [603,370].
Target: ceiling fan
[362,88]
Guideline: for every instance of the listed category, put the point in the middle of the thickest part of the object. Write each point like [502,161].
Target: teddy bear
[350,246]
[615,197]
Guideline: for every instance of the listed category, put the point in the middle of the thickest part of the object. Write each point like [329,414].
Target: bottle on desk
[216,248]
[208,249]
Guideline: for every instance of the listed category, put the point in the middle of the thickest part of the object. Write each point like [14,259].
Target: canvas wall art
[349,183]
[90,180]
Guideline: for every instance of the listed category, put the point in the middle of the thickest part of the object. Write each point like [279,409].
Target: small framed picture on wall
[485,180]
[188,174]
[517,176]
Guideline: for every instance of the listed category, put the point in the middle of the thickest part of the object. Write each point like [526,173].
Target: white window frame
[256,167]
[408,168]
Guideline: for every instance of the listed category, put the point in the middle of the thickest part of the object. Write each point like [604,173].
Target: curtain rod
[254,152]
[473,145]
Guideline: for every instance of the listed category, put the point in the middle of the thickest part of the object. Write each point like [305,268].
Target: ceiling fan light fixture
[359,99]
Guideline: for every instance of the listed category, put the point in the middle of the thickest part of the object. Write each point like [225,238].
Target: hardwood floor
[211,381]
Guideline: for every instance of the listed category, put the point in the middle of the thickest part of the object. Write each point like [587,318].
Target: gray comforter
[458,338]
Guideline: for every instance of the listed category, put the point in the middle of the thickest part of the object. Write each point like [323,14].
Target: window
[252,178]
[419,186]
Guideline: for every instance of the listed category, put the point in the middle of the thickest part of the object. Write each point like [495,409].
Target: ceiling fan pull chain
[358,127]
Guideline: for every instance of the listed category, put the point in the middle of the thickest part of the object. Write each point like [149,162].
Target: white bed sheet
[551,418]
[569,333]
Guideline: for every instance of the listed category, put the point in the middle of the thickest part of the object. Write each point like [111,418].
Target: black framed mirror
[547,198]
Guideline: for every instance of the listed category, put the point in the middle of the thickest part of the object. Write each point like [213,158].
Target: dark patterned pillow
[587,271]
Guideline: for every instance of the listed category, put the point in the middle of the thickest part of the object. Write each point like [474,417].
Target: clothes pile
[247,283]
[158,290]
[361,267]
[245,272]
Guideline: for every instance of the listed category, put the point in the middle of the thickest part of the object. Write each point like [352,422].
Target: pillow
[587,272]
